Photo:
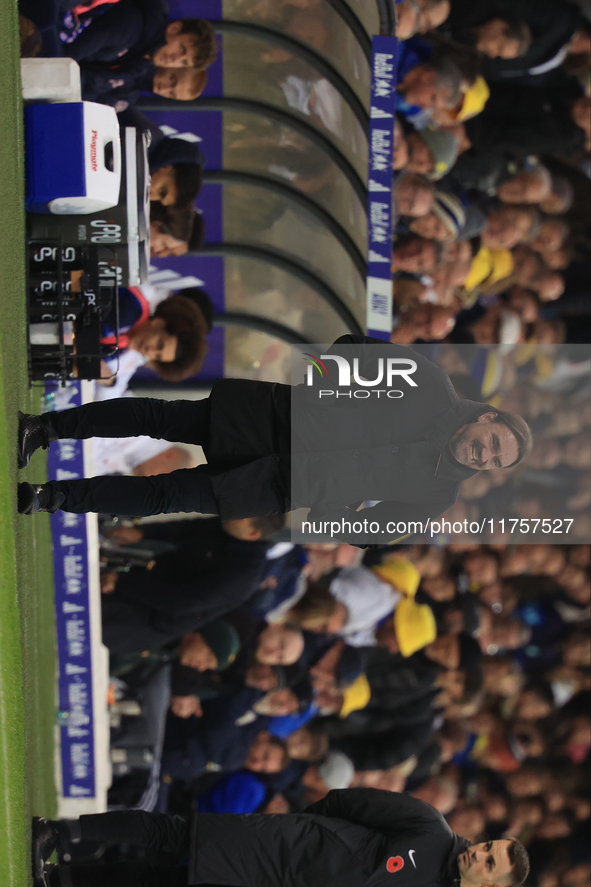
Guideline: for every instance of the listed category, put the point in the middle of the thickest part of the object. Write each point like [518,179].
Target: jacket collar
[461,413]
[450,873]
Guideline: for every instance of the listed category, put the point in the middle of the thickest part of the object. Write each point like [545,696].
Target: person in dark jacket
[182,160]
[214,569]
[413,453]
[121,86]
[222,740]
[351,838]
[551,25]
[123,32]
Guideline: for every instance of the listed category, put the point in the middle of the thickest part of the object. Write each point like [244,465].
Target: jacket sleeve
[178,607]
[382,811]
[170,531]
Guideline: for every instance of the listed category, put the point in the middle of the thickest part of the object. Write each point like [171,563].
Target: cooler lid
[143,183]
[131,194]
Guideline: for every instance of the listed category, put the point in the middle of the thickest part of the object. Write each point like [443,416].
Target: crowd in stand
[460,674]
[491,157]
[491,151]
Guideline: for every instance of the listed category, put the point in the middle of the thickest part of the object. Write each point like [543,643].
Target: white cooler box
[73,158]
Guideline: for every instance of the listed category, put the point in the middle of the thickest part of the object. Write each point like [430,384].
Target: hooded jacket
[119,34]
[352,838]
[399,456]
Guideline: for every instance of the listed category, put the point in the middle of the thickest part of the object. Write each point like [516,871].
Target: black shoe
[32,498]
[34,432]
[45,842]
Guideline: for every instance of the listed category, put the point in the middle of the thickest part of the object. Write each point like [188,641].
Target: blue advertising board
[379,185]
[73,620]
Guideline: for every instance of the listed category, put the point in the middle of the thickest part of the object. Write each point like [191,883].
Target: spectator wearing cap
[452,217]
[472,102]
[528,185]
[355,601]
[489,267]
[551,26]
[431,152]
[444,221]
[426,82]
[412,626]
[195,672]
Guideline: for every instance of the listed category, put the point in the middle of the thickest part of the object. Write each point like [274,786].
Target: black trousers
[186,490]
[155,830]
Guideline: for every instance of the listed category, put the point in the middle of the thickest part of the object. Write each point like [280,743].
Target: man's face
[553,204]
[195,653]
[279,646]
[431,227]
[179,51]
[420,157]
[261,677]
[487,863]
[458,252]
[422,90]
[523,187]
[417,254]
[263,756]
[300,744]
[407,19]
[412,197]
[163,186]
[551,236]
[493,41]
[183,84]
[484,444]
[163,244]
[430,19]
[506,227]
[151,339]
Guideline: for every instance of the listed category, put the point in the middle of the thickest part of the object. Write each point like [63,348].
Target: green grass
[27,627]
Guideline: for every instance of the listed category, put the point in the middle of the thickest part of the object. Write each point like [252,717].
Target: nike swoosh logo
[411,853]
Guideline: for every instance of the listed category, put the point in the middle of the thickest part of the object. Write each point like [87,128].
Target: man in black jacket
[412,453]
[213,568]
[352,838]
